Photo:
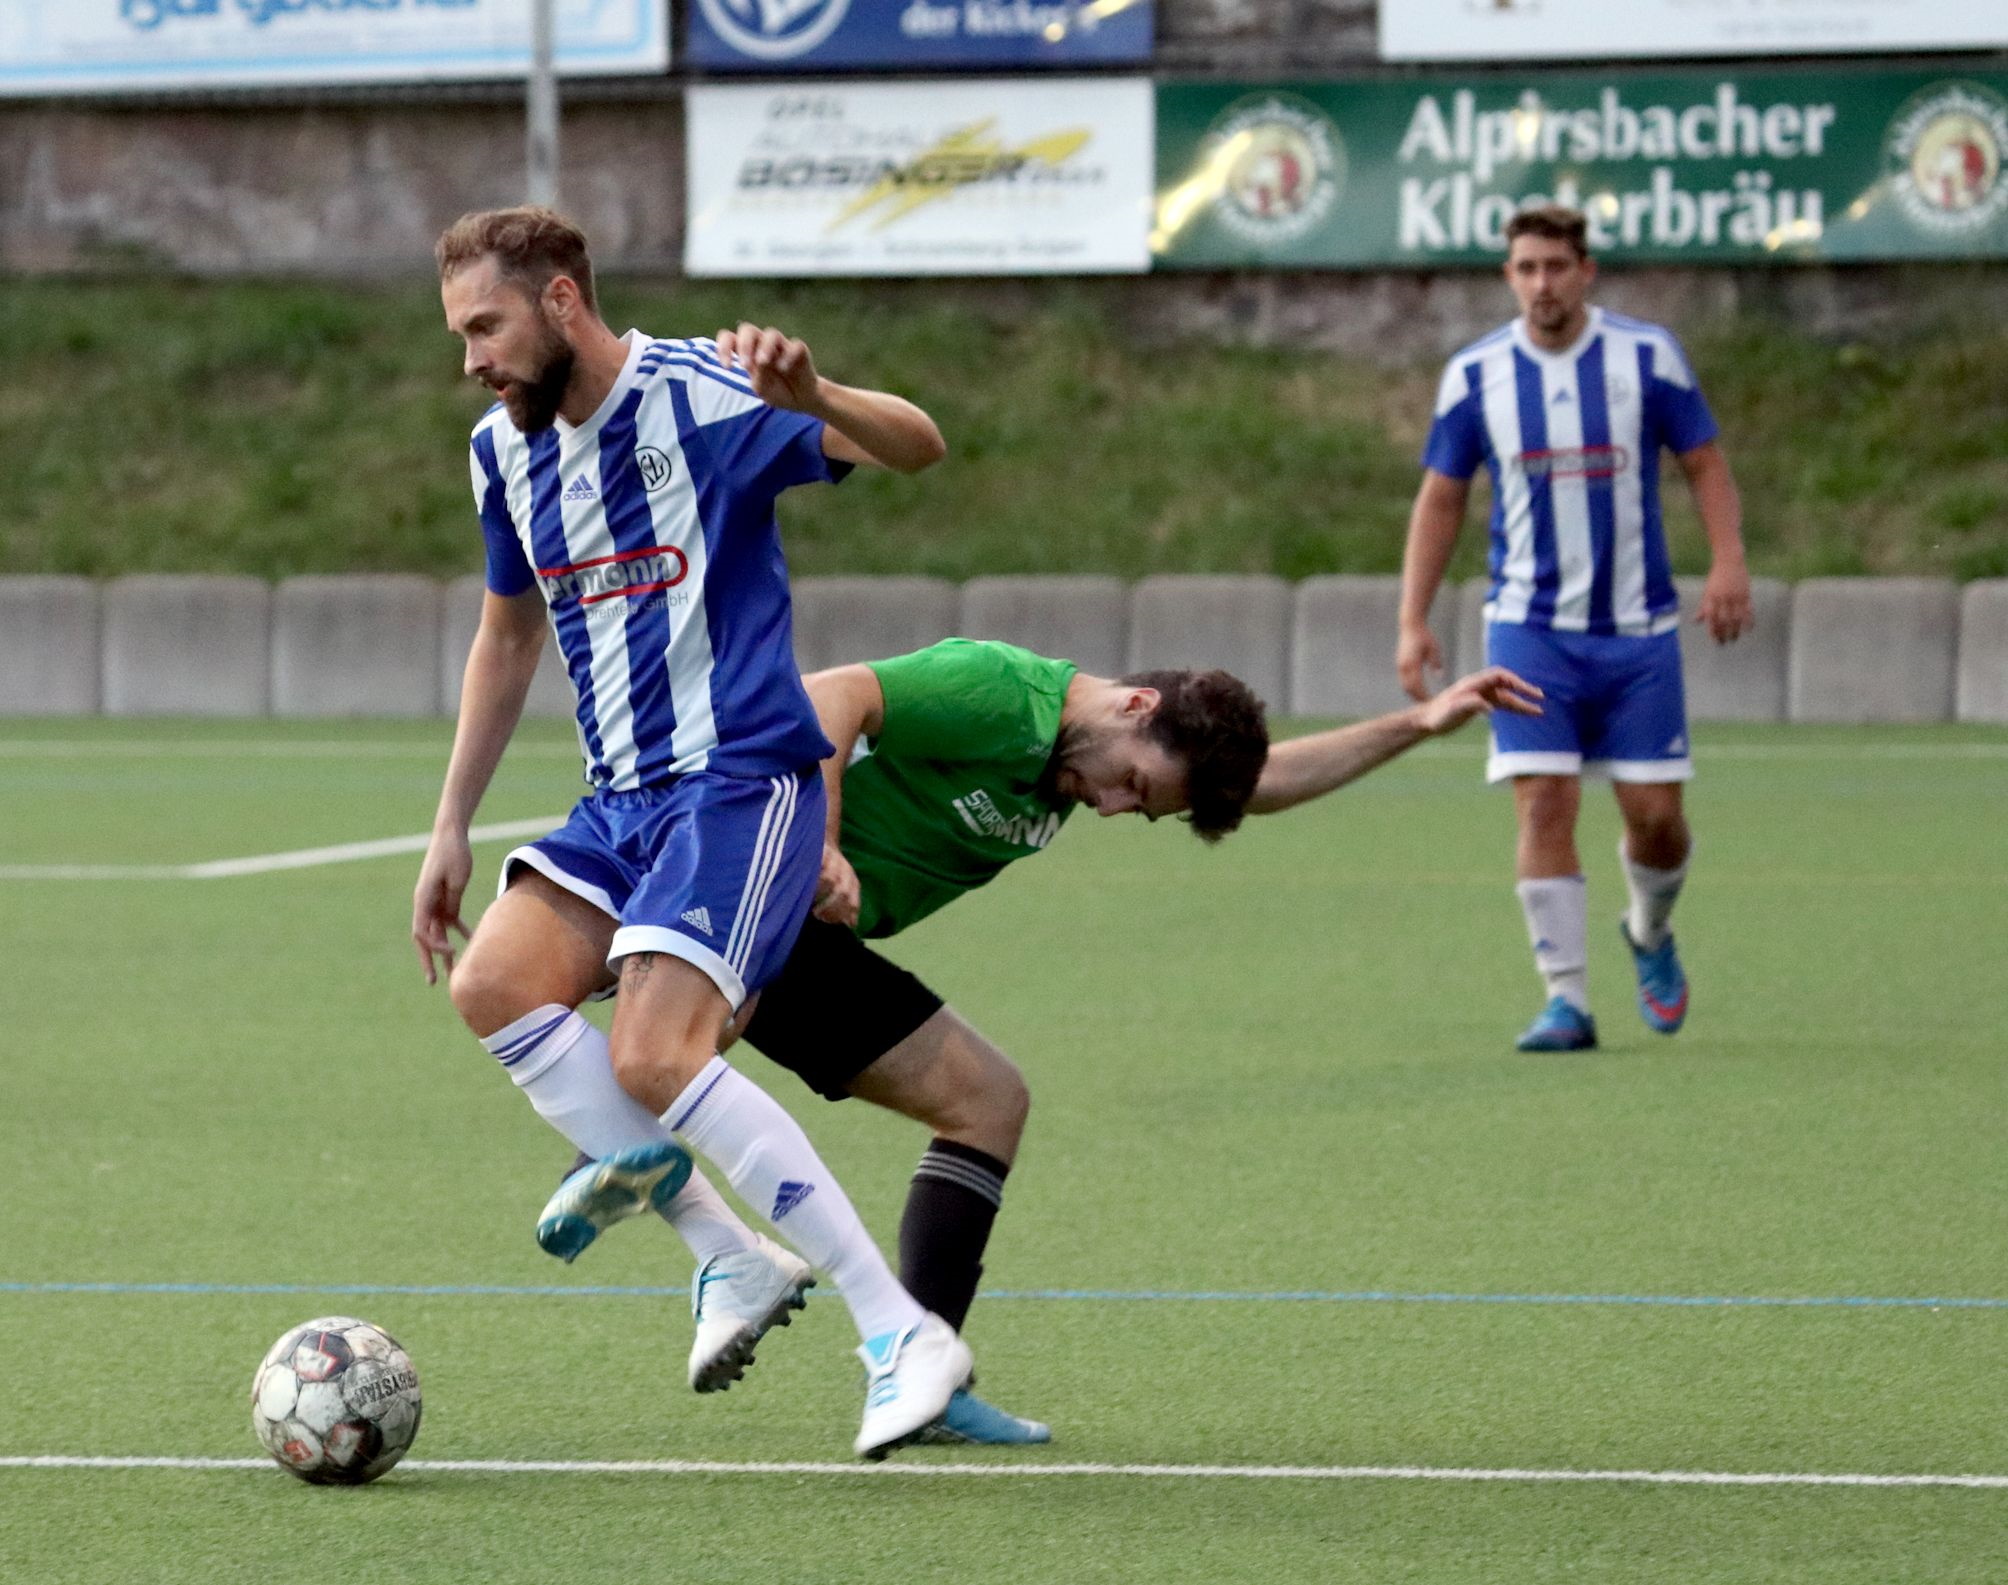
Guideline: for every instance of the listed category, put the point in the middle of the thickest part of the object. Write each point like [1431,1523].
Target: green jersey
[957,783]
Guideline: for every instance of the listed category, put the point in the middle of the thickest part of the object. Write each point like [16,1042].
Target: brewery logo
[1277,165]
[1943,158]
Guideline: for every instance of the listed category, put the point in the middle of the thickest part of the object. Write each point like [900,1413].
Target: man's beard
[1067,749]
[533,403]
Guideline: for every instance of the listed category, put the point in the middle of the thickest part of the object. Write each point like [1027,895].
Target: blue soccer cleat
[1662,983]
[1561,1026]
[601,1193]
[971,1421]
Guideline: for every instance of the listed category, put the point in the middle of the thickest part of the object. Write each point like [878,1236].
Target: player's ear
[1141,703]
[560,298]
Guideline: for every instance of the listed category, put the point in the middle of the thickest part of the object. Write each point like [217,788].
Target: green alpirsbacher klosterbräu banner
[1725,166]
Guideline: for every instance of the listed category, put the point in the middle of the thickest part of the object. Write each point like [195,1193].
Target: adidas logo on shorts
[699,918]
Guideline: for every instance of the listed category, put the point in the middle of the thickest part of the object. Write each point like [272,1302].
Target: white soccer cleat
[909,1378]
[734,1299]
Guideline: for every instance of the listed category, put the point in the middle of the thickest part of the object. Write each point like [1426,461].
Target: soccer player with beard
[626,488]
[950,764]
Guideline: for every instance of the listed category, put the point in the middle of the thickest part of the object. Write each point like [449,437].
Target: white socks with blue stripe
[563,1065]
[1558,924]
[764,1154]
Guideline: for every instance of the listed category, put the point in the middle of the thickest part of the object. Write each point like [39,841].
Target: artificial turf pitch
[1277,1074]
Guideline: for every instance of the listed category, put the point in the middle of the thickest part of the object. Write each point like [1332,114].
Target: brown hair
[532,246]
[1212,723]
[1556,222]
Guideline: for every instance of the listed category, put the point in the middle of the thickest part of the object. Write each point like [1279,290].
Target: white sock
[563,1064]
[1653,894]
[764,1154]
[1558,924]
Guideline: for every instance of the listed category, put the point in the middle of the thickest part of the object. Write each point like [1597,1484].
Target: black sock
[954,1198]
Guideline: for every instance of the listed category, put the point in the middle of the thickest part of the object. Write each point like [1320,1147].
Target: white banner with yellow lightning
[991,176]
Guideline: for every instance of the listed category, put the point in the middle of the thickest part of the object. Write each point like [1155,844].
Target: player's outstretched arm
[1725,599]
[850,705]
[860,426]
[1433,523]
[500,666]
[1302,768]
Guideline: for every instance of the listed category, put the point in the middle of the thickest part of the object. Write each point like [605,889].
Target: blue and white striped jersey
[1572,441]
[650,531]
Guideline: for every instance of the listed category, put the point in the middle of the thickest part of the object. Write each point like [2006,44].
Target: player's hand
[1494,688]
[1725,602]
[780,367]
[435,902]
[1416,655]
[837,892]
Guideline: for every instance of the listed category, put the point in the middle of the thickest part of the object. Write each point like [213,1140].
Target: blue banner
[819,35]
[99,46]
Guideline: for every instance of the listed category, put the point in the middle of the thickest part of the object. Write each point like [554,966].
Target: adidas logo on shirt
[699,918]
[581,489]
[790,1195]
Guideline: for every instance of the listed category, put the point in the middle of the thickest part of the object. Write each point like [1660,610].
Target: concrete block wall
[1828,649]
[1240,624]
[1981,690]
[49,643]
[362,645]
[1873,649]
[187,646]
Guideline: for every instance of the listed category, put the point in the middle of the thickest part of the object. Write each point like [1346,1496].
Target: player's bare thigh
[669,1021]
[949,1077]
[536,945]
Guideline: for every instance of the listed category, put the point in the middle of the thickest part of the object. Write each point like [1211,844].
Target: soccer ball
[336,1401]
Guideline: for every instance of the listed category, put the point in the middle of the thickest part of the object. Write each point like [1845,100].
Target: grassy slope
[277,429]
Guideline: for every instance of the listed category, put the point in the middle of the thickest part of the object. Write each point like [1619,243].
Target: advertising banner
[821,35]
[1476,30]
[107,46]
[988,176]
[1668,166]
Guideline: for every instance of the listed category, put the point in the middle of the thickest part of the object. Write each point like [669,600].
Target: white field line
[692,1466]
[265,863]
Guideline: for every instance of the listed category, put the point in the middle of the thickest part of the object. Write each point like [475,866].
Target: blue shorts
[717,870]
[1614,706]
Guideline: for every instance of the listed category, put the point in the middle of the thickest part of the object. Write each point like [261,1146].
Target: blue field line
[1101,1295]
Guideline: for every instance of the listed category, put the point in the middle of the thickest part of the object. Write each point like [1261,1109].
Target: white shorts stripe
[775,851]
[767,852]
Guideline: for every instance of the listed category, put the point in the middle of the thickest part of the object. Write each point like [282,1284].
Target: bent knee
[990,1111]
[486,994]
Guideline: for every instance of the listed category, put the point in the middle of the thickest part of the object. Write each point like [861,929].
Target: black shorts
[835,1008]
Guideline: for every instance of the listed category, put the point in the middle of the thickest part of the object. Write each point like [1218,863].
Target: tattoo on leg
[635,968]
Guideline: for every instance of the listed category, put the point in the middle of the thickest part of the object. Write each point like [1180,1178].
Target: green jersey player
[950,764]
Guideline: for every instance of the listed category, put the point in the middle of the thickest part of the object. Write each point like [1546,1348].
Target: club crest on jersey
[654,468]
[609,577]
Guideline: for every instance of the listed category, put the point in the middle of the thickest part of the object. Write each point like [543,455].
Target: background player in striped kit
[1568,407]
[626,489]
